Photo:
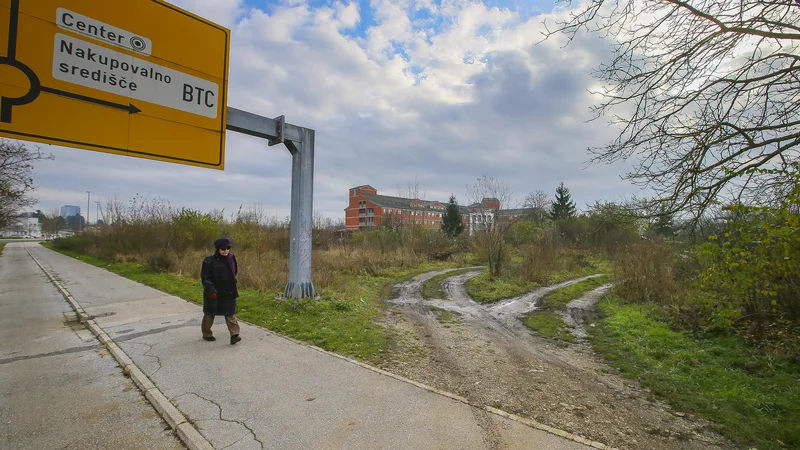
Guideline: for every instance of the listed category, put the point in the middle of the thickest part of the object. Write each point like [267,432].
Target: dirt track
[486,354]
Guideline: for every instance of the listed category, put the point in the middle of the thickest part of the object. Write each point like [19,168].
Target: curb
[187,433]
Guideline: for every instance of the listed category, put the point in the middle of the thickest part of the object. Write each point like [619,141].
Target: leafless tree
[706,94]
[412,191]
[255,214]
[52,223]
[538,202]
[492,226]
[115,217]
[16,163]
[322,222]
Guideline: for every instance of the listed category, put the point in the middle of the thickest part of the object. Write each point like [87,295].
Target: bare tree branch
[704,92]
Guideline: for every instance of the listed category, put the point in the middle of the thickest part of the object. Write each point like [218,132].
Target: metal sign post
[300,142]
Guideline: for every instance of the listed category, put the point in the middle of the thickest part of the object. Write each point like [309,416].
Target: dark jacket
[219,276]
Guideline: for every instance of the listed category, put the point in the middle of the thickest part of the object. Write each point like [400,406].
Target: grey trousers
[208,320]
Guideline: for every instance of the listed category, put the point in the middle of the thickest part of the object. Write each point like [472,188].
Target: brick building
[367,209]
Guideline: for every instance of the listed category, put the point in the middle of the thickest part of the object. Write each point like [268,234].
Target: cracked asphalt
[59,388]
[267,392]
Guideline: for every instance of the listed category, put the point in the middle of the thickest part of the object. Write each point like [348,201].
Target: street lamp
[88,198]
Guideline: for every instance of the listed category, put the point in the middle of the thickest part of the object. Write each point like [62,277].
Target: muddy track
[485,354]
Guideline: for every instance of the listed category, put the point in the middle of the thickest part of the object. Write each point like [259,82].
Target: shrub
[645,272]
[160,261]
[76,243]
[539,261]
[192,230]
[751,273]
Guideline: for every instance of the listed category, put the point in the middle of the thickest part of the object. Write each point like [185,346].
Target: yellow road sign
[140,78]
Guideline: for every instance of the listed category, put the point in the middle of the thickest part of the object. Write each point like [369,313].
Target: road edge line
[181,426]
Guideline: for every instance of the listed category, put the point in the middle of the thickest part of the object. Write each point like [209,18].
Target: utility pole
[88,198]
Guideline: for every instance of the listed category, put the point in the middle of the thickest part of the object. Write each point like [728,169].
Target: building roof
[406,203]
[399,202]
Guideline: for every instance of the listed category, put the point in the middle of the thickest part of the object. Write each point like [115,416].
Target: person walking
[218,275]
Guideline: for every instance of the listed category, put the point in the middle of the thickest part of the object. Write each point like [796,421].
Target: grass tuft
[550,325]
[560,297]
[485,289]
[548,320]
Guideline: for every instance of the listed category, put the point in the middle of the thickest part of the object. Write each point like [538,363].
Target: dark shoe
[235,338]
[209,338]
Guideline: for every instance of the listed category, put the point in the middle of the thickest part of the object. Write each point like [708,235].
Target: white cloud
[444,93]
[223,12]
[348,15]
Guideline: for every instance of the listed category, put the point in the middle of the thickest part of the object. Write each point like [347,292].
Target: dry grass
[645,272]
[539,261]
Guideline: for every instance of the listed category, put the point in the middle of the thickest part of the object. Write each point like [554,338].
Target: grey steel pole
[300,142]
[300,231]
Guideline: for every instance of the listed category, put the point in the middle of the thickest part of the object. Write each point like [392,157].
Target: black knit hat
[222,242]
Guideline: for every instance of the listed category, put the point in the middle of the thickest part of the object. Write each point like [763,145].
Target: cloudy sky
[399,92]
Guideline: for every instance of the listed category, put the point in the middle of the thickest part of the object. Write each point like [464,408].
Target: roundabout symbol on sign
[35,86]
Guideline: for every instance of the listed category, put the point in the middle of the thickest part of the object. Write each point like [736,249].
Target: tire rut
[485,354]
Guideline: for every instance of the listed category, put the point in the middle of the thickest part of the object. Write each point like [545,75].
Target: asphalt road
[59,387]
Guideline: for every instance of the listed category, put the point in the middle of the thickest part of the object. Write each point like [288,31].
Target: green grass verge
[433,287]
[754,399]
[560,297]
[550,325]
[344,321]
[2,245]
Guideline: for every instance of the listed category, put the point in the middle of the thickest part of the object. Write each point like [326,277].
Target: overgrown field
[707,317]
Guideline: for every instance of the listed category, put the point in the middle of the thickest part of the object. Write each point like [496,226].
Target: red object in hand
[212,296]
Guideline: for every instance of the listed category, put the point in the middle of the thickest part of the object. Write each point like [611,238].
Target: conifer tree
[563,207]
[451,219]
